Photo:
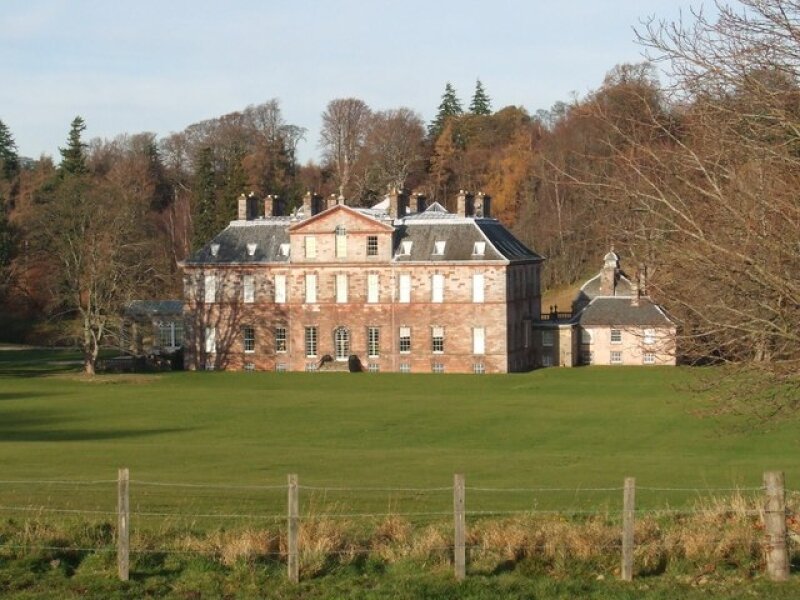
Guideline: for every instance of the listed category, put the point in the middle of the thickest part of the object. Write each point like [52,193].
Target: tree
[204,209]
[344,127]
[73,157]
[450,107]
[481,103]
[9,160]
[709,190]
[101,257]
[393,152]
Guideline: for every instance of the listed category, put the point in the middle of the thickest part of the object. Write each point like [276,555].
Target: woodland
[688,164]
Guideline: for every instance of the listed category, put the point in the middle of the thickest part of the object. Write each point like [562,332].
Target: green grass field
[556,428]
[218,440]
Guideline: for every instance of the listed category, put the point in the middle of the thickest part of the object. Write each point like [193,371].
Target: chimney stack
[331,201]
[421,202]
[248,207]
[312,204]
[269,206]
[483,205]
[398,203]
[609,274]
[465,204]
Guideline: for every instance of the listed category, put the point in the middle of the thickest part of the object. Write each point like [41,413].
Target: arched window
[341,342]
[341,241]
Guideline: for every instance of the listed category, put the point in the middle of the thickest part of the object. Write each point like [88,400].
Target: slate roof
[268,235]
[624,286]
[422,229]
[607,311]
[153,308]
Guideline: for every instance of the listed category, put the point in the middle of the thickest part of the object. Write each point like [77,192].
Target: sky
[129,66]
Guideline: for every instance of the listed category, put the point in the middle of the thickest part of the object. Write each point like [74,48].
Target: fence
[244,503]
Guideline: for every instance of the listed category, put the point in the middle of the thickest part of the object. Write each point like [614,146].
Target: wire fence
[229,522]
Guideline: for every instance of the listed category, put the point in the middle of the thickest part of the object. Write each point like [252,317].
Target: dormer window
[479,249]
[438,248]
[284,249]
[214,249]
[251,249]
[405,247]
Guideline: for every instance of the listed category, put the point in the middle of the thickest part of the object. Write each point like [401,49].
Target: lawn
[204,450]
[575,429]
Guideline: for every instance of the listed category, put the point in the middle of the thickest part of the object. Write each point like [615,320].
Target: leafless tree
[345,123]
[713,189]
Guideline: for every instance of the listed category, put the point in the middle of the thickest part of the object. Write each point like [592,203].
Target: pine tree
[9,160]
[481,103]
[73,157]
[205,199]
[450,107]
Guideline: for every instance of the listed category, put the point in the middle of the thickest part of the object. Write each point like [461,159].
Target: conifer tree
[450,107]
[481,103]
[73,157]
[9,160]
[205,195]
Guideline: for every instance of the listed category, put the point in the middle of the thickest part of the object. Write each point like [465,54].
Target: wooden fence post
[775,526]
[293,531]
[628,513]
[459,546]
[123,524]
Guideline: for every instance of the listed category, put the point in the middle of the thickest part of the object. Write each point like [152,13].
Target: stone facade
[342,288]
[613,322]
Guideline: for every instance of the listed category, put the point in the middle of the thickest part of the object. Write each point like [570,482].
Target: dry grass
[717,534]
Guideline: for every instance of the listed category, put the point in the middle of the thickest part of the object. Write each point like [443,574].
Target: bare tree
[345,124]
[713,190]
[101,257]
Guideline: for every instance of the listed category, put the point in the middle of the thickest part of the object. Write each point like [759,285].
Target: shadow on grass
[35,426]
[81,435]
[24,395]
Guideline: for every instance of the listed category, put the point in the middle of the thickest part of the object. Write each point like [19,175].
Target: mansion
[398,288]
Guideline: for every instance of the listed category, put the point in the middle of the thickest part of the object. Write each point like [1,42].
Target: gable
[340,215]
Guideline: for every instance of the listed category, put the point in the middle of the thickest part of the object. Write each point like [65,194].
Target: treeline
[696,180]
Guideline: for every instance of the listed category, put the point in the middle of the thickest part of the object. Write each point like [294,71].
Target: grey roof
[268,235]
[154,308]
[624,286]
[423,229]
[619,311]
[502,239]
[459,241]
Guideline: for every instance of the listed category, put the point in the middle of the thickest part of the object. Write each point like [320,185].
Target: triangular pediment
[340,215]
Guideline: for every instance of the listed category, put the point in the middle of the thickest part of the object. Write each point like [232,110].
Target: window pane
[372,245]
[249,338]
[341,339]
[280,339]
[311,341]
[373,341]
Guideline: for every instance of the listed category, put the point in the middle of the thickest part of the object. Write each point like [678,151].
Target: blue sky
[144,65]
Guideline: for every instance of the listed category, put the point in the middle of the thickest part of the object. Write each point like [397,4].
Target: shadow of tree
[36,426]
